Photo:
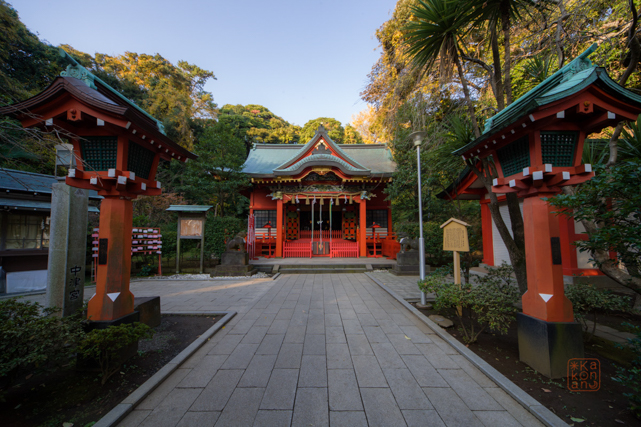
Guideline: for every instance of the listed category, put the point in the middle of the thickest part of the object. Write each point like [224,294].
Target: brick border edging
[121,410]
[542,413]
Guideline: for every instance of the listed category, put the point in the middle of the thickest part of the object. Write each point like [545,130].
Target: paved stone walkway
[404,286]
[318,350]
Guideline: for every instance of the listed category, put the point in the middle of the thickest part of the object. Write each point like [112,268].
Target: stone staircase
[318,268]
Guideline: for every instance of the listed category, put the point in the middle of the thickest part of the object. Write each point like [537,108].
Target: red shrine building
[321,199]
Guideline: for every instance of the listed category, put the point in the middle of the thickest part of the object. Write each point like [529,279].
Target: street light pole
[417,138]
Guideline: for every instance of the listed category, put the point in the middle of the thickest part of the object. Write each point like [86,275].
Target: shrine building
[321,199]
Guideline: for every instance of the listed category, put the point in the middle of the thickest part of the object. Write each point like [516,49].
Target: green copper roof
[326,158]
[265,159]
[79,72]
[320,133]
[189,208]
[572,78]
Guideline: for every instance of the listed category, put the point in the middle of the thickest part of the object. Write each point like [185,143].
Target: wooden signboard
[191,228]
[455,236]
[455,240]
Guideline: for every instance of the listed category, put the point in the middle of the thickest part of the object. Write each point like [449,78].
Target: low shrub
[631,377]
[147,270]
[106,346]
[33,339]
[490,302]
[588,300]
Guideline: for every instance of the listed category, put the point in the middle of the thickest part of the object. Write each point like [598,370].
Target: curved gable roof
[321,133]
[264,159]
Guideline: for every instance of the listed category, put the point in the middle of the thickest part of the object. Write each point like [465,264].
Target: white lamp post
[417,139]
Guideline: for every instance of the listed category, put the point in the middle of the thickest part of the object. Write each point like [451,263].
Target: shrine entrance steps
[324,269]
[318,265]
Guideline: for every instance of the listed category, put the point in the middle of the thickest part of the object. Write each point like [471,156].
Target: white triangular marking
[546,297]
[114,295]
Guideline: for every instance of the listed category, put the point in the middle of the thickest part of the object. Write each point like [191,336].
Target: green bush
[31,338]
[106,345]
[631,377]
[587,299]
[147,270]
[489,303]
[219,230]
[169,239]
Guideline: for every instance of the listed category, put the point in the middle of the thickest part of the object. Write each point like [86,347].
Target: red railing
[344,250]
[335,234]
[297,250]
[390,248]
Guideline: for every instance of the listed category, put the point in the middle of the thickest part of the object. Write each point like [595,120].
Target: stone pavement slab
[318,350]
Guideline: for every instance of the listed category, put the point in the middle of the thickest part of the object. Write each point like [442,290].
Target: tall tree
[436,33]
[352,136]
[257,124]
[334,130]
[215,177]
[364,123]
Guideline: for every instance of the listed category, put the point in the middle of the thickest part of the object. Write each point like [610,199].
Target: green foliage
[630,142]
[489,303]
[531,72]
[256,124]
[352,136]
[436,32]
[26,64]
[219,230]
[215,178]
[169,239]
[631,377]
[33,338]
[587,299]
[147,270]
[611,200]
[106,345]
[334,130]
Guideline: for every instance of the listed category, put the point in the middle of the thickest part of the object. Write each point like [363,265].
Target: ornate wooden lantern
[537,145]
[117,147]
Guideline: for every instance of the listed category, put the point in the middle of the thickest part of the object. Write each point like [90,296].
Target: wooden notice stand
[455,239]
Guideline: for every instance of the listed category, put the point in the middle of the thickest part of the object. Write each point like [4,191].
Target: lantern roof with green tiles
[572,79]
[98,104]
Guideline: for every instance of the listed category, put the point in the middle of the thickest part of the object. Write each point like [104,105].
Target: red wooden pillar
[113,298]
[566,228]
[389,219]
[545,298]
[279,229]
[363,227]
[488,246]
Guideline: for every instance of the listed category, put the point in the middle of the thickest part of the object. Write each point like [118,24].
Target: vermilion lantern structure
[118,147]
[537,145]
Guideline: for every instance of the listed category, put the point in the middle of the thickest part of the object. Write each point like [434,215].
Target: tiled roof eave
[598,77]
[321,160]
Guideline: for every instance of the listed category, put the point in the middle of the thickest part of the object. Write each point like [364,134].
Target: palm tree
[435,32]
[506,13]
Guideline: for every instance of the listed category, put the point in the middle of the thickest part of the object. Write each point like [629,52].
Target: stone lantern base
[548,346]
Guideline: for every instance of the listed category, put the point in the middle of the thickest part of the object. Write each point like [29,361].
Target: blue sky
[301,59]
